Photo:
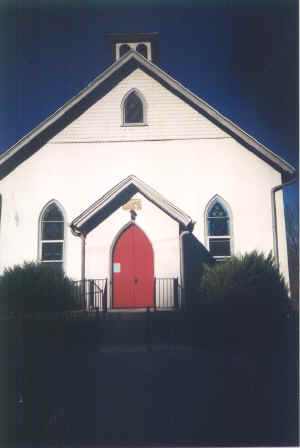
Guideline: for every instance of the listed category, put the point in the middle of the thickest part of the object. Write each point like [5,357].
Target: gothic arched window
[133,109]
[52,230]
[218,229]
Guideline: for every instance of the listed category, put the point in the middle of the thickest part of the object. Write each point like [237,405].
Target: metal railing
[166,292]
[91,293]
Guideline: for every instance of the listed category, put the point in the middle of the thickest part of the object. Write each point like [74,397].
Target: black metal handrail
[91,293]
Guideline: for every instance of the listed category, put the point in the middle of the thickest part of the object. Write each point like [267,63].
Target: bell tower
[144,43]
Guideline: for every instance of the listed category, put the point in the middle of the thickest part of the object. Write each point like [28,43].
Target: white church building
[134,181]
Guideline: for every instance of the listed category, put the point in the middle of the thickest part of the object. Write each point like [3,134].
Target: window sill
[129,125]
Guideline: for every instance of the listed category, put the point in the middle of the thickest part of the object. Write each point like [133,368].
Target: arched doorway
[133,270]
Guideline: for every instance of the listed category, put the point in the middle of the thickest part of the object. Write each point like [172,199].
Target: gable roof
[119,195]
[100,86]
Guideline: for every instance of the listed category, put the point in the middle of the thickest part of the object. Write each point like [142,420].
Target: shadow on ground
[191,394]
[187,396]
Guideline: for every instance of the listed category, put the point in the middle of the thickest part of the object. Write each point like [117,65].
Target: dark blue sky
[241,56]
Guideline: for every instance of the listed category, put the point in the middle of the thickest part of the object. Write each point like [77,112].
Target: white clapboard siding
[168,117]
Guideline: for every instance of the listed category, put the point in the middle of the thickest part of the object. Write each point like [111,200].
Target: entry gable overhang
[100,86]
[119,195]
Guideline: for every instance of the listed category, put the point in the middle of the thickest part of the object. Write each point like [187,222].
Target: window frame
[144,104]
[229,237]
[41,241]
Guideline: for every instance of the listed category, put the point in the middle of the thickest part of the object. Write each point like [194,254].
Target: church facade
[112,184]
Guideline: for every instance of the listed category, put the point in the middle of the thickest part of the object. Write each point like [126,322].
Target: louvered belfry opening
[145,44]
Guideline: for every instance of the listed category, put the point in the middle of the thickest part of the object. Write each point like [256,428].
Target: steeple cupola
[144,43]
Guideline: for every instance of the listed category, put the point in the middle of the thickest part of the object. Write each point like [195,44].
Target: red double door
[133,270]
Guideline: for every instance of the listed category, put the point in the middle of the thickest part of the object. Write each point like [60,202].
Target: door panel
[133,270]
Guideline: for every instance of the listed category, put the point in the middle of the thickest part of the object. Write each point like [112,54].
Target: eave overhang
[100,86]
[119,195]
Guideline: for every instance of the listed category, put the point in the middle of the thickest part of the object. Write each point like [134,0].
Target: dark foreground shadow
[188,396]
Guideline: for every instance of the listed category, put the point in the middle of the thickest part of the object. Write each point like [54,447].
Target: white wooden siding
[168,117]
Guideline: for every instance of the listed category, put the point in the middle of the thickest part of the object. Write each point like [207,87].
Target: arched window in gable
[218,224]
[52,235]
[133,109]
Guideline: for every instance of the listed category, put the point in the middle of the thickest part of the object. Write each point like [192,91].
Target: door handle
[135,279]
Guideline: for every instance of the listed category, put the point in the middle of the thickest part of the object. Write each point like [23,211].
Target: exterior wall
[179,153]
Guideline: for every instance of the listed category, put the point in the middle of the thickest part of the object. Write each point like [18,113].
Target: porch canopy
[119,195]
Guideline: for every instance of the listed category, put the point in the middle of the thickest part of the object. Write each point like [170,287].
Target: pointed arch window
[52,230]
[133,109]
[218,229]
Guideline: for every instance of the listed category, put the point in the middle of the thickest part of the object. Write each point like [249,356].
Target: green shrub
[250,281]
[35,287]
[244,303]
